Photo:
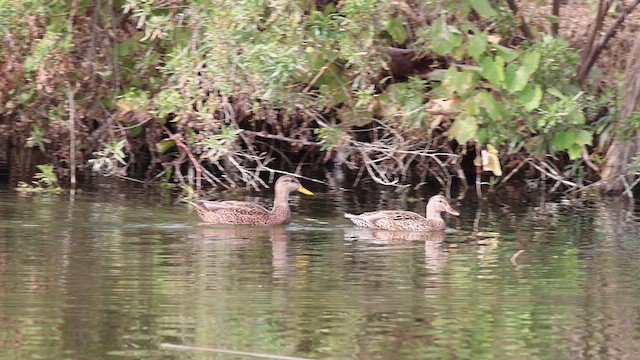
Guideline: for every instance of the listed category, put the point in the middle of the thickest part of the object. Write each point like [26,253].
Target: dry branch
[523,24]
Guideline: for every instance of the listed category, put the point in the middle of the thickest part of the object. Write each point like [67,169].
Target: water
[116,274]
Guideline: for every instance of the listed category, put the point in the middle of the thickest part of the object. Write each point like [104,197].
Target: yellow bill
[304,191]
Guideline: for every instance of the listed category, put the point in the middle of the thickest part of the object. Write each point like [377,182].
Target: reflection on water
[115,275]
[434,254]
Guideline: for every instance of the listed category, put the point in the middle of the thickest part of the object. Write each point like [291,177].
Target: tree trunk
[555,11]
[621,152]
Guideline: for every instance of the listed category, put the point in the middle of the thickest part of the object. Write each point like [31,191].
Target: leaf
[563,140]
[584,138]
[463,129]
[506,53]
[316,60]
[444,38]
[477,45]
[530,97]
[164,145]
[574,152]
[490,160]
[459,82]
[576,117]
[437,75]
[331,85]
[397,30]
[493,70]
[494,109]
[530,61]
[555,92]
[483,8]
[354,117]
[441,106]
[494,39]
[125,104]
[516,80]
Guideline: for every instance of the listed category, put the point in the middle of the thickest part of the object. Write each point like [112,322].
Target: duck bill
[304,191]
[452,212]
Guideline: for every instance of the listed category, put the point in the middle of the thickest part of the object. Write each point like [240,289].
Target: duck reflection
[434,254]
[230,236]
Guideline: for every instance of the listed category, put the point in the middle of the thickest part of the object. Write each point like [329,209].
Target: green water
[116,274]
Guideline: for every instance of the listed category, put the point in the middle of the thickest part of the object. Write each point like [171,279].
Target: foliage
[222,90]
[46,181]
[37,138]
[108,160]
[506,96]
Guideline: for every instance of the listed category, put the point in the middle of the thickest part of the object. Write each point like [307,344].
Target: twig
[587,160]
[223,351]
[193,159]
[628,188]
[281,138]
[515,256]
[72,137]
[554,176]
[585,68]
[523,25]
[515,170]
[294,175]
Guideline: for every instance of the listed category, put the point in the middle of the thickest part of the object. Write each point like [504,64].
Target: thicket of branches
[218,92]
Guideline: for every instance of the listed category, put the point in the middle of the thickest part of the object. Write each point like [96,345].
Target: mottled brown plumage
[407,220]
[246,213]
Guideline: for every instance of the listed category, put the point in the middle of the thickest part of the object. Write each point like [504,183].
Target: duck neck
[281,205]
[433,214]
[281,199]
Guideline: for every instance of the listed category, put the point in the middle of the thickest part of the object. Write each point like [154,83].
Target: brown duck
[247,213]
[407,220]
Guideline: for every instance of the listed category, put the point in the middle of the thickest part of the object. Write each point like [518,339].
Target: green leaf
[463,129]
[164,145]
[397,30]
[574,151]
[506,53]
[494,109]
[530,97]
[493,71]
[516,80]
[444,38]
[483,8]
[555,92]
[477,45]
[316,60]
[332,85]
[530,61]
[584,138]
[437,75]
[564,139]
[459,82]
[576,117]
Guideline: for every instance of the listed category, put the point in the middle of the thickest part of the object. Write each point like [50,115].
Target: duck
[248,213]
[407,220]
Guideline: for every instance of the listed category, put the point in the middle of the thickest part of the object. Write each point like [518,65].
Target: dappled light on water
[115,276]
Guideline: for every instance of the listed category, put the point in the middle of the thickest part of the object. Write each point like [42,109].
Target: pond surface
[117,274]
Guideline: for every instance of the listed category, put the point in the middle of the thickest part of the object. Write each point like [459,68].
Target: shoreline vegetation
[201,94]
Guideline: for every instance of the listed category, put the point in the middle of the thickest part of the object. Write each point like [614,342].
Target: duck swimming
[247,213]
[407,220]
